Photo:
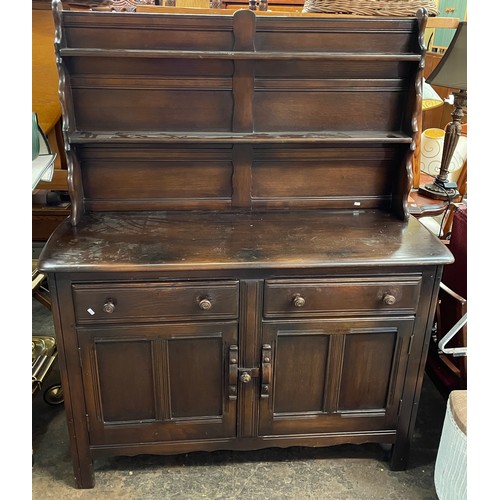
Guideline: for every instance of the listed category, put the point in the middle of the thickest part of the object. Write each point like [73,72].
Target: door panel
[301,362]
[332,376]
[195,377]
[158,382]
[366,388]
[135,399]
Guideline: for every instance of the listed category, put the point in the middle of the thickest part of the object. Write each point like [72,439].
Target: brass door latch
[245,375]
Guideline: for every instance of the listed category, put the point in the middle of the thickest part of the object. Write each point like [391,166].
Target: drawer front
[143,302]
[342,296]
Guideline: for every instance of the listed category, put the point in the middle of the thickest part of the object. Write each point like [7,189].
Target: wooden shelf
[357,137]
[217,108]
[233,54]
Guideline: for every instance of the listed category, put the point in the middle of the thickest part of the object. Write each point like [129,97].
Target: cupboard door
[154,383]
[334,375]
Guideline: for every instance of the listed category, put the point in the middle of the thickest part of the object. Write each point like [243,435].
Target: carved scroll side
[422,16]
[75,187]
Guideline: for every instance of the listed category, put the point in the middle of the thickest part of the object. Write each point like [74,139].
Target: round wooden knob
[108,306]
[389,299]
[205,304]
[299,301]
[245,377]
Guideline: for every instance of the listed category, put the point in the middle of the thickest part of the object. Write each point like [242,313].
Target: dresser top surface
[197,240]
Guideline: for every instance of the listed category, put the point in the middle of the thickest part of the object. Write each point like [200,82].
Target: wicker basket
[395,8]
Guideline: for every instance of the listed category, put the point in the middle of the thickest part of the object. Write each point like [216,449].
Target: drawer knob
[109,306]
[245,377]
[298,300]
[389,299]
[205,304]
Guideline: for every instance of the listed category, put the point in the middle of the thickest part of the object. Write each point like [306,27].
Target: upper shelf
[237,55]
[166,78]
[347,137]
[179,111]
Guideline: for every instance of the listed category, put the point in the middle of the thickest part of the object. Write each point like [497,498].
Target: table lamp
[450,72]
[430,98]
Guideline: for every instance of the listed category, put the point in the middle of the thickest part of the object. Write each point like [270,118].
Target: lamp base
[440,190]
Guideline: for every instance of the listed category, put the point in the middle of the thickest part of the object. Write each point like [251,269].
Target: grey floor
[346,472]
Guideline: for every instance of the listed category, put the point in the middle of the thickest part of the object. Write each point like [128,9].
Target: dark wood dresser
[239,269]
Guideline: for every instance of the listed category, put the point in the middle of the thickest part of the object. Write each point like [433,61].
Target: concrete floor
[346,472]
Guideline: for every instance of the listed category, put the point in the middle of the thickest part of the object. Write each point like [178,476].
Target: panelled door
[162,382]
[330,376]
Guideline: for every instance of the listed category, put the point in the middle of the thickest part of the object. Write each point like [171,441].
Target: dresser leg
[387,449]
[84,476]
[399,458]
[83,464]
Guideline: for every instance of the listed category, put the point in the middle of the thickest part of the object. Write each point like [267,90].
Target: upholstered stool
[450,473]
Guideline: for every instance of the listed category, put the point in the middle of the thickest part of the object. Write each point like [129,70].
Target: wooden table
[421,206]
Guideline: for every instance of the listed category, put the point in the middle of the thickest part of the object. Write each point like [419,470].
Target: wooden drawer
[343,296]
[142,302]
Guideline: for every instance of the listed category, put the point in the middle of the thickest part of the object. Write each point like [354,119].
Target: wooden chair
[447,222]
[447,370]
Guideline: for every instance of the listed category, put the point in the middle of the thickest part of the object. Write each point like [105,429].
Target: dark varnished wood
[239,269]
[146,302]
[200,240]
[165,396]
[318,383]
[162,82]
[333,297]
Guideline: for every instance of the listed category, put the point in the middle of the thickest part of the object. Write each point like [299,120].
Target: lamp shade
[430,98]
[431,153]
[451,71]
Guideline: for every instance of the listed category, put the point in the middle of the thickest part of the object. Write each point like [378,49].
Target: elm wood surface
[244,95]
[239,233]
[149,266]
[212,241]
